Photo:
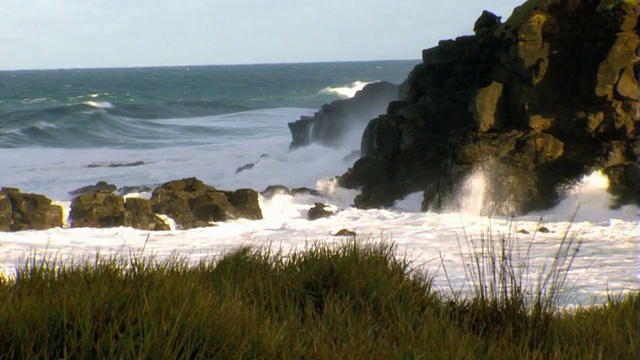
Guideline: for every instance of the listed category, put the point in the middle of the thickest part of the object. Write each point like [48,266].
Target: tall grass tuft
[356,299]
[507,295]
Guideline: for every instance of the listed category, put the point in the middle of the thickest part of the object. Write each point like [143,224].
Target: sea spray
[345,91]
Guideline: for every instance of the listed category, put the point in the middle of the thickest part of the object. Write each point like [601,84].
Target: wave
[98,129]
[346,91]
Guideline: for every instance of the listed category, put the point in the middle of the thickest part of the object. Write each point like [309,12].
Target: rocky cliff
[332,124]
[532,103]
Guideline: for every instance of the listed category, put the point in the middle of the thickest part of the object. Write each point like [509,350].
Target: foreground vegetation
[349,301]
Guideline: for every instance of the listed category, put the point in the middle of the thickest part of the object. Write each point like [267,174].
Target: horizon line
[201,65]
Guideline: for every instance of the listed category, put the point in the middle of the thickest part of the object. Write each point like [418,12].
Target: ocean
[140,127]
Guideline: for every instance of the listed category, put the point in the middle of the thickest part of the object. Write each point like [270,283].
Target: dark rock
[191,203]
[319,211]
[27,211]
[251,165]
[623,183]
[486,23]
[245,167]
[543,229]
[99,186]
[273,190]
[101,209]
[345,232]
[138,215]
[333,121]
[245,202]
[533,104]
[305,191]
[6,212]
[116,165]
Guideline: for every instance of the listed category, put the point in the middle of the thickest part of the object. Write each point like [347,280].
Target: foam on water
[607,260]
[99,104]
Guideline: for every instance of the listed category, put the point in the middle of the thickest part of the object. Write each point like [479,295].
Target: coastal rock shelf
[533,103]
[189,202]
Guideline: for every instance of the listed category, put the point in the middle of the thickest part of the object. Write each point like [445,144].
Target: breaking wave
[346,91]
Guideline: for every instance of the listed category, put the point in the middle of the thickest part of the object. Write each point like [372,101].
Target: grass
[352,300]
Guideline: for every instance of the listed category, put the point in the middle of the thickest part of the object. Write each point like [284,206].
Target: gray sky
[44,34]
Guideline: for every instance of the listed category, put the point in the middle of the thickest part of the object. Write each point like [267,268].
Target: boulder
[533,103]
[101,209]
[191,203]
[6,212]
[319,211]
[138,215]
[20,211]
[273,190]
[346,232]
[89,189]
[245,203]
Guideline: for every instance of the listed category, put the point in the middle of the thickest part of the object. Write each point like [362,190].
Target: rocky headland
[330,125]
[533,103]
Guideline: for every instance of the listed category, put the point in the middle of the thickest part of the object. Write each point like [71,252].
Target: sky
[50,34]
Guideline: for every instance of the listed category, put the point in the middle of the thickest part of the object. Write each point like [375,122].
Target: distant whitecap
[99,104]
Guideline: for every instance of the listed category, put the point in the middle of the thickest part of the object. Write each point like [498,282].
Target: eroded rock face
[331,124]
[20,211]
[191,203]
[103,209]
[534,103]
[138,215]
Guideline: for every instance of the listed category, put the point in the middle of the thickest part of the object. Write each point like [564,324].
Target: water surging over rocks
[334,122]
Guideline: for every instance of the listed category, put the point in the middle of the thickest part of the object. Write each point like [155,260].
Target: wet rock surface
[533,103]
[23,211]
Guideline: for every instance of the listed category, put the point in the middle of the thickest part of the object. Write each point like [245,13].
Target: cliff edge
[533,103]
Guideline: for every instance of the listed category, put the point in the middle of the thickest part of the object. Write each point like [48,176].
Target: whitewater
[43,154]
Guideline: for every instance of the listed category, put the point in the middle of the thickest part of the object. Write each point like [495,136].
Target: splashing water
[346,91]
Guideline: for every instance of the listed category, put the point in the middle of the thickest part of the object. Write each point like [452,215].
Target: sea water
[137,128]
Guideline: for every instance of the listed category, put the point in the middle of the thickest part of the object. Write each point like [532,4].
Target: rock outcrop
[191,203]
[103,209]
[319,211]
[531,104]
[99,186]
[20,211]
[335,121]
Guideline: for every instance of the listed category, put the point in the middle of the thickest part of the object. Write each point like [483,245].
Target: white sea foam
[607,261]
[346,91]
[99,104]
